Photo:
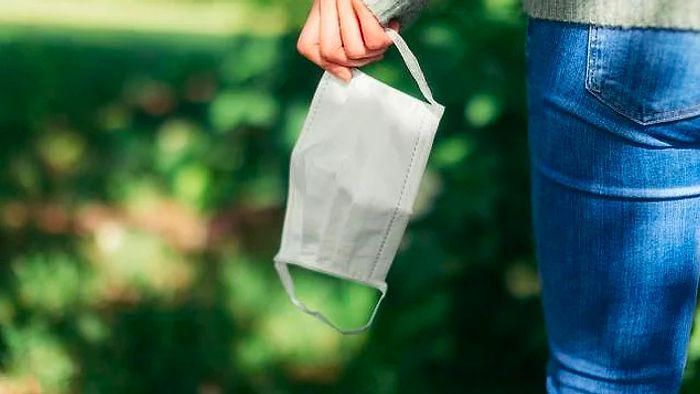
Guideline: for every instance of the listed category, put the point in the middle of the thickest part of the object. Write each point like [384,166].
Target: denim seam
[697,251]
[591,61]
[647,120]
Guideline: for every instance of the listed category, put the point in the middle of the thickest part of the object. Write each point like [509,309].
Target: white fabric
[354,175]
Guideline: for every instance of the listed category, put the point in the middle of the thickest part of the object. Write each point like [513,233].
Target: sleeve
[405,11]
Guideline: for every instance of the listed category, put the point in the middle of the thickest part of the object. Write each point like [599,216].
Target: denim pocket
[647,75]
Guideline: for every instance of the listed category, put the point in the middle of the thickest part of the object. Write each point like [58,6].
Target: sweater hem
[613,14]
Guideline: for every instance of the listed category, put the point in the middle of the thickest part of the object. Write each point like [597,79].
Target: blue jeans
[614,139]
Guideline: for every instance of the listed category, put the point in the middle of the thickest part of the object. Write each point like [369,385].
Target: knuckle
[355,53]
[302,48]
[326,54]
[376,44]
[332,57]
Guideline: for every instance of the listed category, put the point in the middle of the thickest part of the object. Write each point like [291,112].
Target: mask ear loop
[412,64]
[288,283]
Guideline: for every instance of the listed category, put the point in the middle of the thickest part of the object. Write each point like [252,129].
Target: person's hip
[615,111]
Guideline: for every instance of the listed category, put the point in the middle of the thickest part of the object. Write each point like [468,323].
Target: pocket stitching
[591,60]
[594,86]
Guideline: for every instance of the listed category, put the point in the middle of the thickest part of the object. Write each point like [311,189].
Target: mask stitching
[292,190]
[401,195]
[315,103]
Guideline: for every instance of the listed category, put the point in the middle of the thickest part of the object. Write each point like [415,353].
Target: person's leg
[619,281]
[616,211]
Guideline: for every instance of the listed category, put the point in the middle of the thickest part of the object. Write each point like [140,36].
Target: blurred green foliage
[141,200]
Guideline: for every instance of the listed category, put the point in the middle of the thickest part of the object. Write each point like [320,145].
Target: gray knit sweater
[405,11]
[679,14]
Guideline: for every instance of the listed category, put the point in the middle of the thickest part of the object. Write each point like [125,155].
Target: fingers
[308,38]
[372,32]
[341,34]
[330,40]
[341,38]
[308,44]
[351,33]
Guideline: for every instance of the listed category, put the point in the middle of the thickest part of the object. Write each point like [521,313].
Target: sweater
[676,14]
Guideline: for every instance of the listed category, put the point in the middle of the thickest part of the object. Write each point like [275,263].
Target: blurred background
[144,148]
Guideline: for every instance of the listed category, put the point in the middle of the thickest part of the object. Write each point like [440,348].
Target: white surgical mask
[354,175]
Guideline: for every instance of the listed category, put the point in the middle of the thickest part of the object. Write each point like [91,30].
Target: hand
[341,34]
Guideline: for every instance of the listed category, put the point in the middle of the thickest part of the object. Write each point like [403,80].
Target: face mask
[354,175]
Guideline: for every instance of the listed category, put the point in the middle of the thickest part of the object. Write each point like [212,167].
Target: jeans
[614,139]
